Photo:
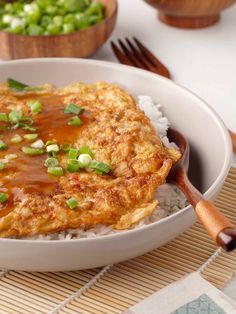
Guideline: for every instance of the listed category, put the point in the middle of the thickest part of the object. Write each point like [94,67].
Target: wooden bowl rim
[107,18]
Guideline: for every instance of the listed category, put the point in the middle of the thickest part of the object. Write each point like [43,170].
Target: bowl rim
[202,103]
[74,33]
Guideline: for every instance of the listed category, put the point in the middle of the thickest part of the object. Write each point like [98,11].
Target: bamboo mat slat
[113,289]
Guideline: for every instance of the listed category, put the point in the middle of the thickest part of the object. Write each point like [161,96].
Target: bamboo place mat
[115,288]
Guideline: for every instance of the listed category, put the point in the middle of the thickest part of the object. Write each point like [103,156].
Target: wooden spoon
[217,225]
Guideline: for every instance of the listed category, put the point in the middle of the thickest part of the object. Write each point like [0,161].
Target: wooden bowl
[190,13]
[77,44]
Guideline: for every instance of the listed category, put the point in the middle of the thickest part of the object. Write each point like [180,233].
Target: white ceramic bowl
[210,162]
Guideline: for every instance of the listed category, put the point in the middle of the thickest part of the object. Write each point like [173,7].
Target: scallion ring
[51,162]
[55,171]
[72,203]
[32,151]
[3,197]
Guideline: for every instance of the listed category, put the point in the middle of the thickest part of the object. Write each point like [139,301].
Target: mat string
[210,260]
[78,293]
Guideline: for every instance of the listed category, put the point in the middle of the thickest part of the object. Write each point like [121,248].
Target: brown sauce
[27,174]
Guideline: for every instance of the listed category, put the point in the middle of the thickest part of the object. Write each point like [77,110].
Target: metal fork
[134,53]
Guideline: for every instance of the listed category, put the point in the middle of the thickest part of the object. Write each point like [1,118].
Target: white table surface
[202,60]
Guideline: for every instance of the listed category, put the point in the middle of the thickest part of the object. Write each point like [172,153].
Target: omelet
[115,133]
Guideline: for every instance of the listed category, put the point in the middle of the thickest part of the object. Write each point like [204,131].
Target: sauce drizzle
[27,174]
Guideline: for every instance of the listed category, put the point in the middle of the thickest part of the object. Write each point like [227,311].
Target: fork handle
[217,225]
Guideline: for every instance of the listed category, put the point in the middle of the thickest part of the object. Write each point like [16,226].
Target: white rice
[171,199]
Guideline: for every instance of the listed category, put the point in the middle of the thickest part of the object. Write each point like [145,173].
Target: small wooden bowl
[77,44]
[190,13]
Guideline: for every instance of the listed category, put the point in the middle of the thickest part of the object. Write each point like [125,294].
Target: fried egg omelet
[114,129]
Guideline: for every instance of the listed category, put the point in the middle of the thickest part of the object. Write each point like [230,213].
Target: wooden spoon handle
[233,138]
[217,225]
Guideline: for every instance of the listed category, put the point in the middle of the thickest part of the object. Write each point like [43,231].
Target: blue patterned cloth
[201,305]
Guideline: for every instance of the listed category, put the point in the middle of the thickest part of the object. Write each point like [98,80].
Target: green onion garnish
[51,162]
[85,160]
[73,165]
[3,146]
[72,108]
[50,142]
[75,121]
[30,137]
[16,139]
[37,144]
[16,85]
[73,153]
[3,197]
[32,151]
[15,126]
[72,203]
[65,147]
[35,106]
[21,87]
[3,117]
[52,148]
[15,116]
[27,127]
[86,150]
[11,157]
[55,171]
[99,167]
[27,120]
[2,165]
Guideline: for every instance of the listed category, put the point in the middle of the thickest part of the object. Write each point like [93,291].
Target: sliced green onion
[3,197]
[30,137]
[10,157]
[51,162]
[99,167]
[16,139]
[86,150]
[52,148]
[72,108]
[55,171]
[3,117]
[15,126]
[73,153]
[16,85]
[37,144]
[65,147]
[27,120]
[53,154]
[3,145]
[2,165]
[27,127]
[35,106]
[15,116]
[21,87]
[32,151]
[84,160]
[50,142]
[72,203]
[75,121]
[73,165]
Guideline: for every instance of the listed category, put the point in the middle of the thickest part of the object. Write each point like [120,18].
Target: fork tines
[134,53]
